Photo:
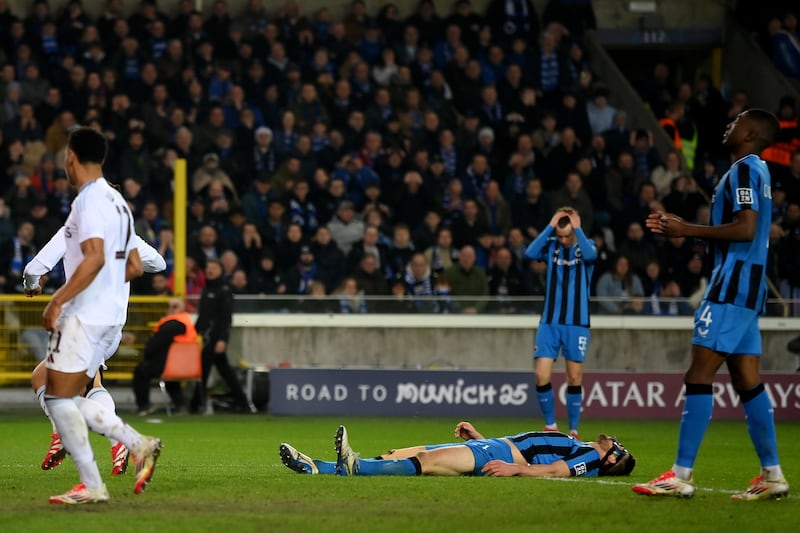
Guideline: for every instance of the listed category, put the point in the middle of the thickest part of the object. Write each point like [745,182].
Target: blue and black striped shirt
[569,275]
[739,275]
[547,447]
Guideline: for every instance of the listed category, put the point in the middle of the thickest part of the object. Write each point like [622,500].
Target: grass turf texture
[224,473]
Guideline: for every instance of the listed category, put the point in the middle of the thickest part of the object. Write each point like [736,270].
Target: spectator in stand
[419,281]
[601,113]
[498,212]
[549,71]
[504,281]
[400,251]
[663,175]
[693,280]
[300,275]
[369,276]
[685,198]
[301,210]
[424,236]
[637,249]
[412,199]
[468,280]
[573,195]
[512,20]
[562,158]
[369,244]
[668,302]
[532,212]
[16,253]
[657,91]
[620,290]
[465,229]
[351,297]
[345,227]
[266,278]
[785,49]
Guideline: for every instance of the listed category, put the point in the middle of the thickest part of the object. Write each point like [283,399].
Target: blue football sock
[326,467]
[697,409]
[389,467]
[547,403]
[574,403]
[761,424]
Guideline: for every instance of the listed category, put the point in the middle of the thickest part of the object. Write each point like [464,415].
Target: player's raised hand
[556,217]
[574,219]
[466,431]
[666,224]
[653,221]
[30,293]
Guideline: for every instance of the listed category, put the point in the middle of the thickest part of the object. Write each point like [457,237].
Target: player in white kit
[85,317]
[44,261]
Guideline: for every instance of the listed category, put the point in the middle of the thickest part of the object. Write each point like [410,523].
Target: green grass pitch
[223,473]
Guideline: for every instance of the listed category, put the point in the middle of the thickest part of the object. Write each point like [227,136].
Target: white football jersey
[100,211]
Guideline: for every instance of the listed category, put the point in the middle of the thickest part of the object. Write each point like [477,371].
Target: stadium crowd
[372,155]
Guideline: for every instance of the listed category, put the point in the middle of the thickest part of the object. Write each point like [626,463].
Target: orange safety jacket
[781,152]
[676,135]
[185,319]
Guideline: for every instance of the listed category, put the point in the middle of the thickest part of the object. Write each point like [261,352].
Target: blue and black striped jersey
[739,271]
[548,447]
[569,276]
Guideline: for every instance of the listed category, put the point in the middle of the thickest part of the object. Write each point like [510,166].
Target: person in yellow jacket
[176,326]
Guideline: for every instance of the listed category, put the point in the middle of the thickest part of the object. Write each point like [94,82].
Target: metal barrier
[23,340]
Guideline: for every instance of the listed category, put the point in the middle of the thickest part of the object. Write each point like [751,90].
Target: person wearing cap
[302,273]
[264,158]
[211,171]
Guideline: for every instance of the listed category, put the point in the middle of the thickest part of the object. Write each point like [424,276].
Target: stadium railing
[23,341]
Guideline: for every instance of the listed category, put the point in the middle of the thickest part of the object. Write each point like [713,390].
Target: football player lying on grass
[533,454]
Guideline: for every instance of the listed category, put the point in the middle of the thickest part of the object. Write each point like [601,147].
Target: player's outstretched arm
[152,261]
[499,468]
[43,262]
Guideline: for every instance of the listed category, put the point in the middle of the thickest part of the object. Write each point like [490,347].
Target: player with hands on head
[564,323]
[726,326]
[530,454]
[33,280]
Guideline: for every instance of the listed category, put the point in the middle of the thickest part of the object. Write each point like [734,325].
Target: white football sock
[107,423]
[682,472]
[43,404]
[102,396]
[75,435]
[772,473]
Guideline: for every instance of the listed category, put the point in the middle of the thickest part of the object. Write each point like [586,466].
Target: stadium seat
[184,363]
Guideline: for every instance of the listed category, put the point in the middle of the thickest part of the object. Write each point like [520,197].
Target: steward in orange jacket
[175,327]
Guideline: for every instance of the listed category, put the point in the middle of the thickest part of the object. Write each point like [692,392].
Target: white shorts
[76,347]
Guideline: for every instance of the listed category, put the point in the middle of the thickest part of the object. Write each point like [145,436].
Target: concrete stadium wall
[474,343]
